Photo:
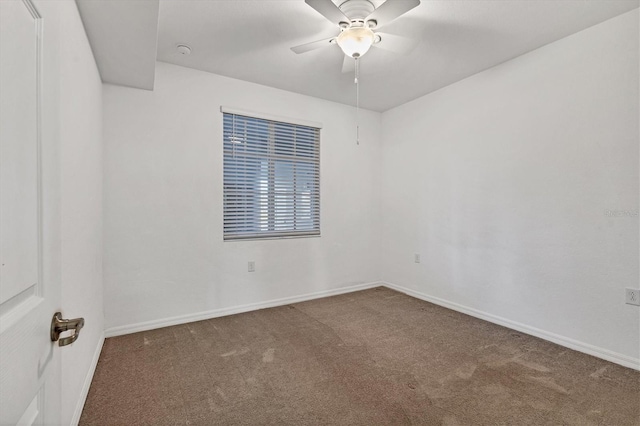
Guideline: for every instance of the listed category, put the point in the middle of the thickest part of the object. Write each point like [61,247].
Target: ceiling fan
[358,21]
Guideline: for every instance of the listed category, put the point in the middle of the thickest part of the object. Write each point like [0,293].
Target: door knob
[59,325]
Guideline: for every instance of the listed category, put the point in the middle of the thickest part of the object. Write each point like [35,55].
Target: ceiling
[123,37]
[251,40]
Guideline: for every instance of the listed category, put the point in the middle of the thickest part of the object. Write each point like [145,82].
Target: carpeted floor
[375,357]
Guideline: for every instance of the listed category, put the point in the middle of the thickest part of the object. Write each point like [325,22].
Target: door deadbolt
[60,325]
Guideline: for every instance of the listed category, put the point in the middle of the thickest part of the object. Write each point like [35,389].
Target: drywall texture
[81,203]
[164,252]
[504,183]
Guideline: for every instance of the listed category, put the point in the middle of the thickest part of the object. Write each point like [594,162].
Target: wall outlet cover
[632,296]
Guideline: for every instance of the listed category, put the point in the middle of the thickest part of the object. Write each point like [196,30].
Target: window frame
[271,158]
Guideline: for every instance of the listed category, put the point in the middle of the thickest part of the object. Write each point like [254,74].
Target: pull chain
[357,101]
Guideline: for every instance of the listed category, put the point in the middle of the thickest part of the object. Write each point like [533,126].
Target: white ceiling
[123,37]
[251,40]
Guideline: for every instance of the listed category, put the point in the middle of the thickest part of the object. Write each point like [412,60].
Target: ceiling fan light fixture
[356,41]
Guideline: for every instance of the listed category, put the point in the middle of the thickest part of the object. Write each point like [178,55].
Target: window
[271,177]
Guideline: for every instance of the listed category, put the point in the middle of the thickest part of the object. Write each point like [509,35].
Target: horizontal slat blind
[271,178]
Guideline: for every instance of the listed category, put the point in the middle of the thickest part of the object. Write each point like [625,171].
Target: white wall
[81,202]
[164,253]
[501,182]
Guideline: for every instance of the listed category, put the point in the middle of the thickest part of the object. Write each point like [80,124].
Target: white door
[29,214]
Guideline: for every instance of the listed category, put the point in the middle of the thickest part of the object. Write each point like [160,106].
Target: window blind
[271,178]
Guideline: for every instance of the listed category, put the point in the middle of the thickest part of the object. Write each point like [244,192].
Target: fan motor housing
[357,10]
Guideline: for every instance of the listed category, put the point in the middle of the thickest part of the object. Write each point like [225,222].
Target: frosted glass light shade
[356,41]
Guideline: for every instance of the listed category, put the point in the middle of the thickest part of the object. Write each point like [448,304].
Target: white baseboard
[199,316]
[586,348]
[605,354]
[87,383]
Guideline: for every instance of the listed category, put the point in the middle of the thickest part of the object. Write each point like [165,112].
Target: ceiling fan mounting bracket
[357,9]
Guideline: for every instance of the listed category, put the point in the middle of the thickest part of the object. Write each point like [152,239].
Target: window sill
[286,237]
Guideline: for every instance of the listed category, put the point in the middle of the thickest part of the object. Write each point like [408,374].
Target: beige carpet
[375,357]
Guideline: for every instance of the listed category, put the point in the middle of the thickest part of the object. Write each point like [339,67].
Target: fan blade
[348,65]
[390,10]
[329,10]
[397,44]
[307,47]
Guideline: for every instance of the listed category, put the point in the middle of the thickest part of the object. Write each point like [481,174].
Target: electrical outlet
[632,296]
[251,266]
[416,258]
